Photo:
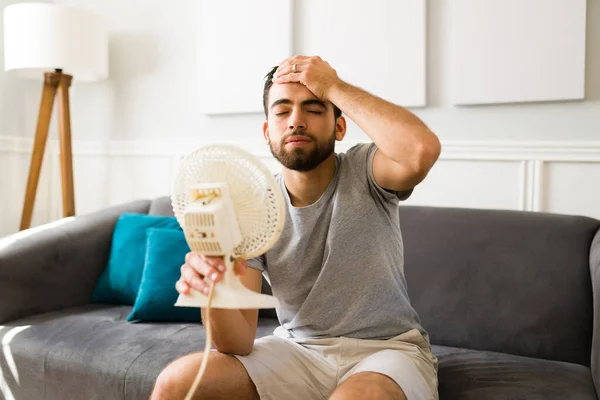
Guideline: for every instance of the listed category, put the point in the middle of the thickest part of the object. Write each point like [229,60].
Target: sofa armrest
[595,275]
[56,266]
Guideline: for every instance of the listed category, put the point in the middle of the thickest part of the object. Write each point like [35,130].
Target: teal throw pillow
[165,253]
[120,280]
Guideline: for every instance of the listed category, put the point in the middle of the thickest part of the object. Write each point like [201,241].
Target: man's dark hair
[269,82]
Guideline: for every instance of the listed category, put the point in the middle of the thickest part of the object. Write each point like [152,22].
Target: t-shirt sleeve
[257,262]
[362,159]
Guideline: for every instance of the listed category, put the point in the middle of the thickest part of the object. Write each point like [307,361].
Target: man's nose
[297,120]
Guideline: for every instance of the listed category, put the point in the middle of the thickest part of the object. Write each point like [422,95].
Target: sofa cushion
[120,280]
[165,252]
[49,356]
[92,352]
[469,374]
[507,281]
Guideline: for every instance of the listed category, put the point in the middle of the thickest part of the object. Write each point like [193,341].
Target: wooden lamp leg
[51,80]
[66,156]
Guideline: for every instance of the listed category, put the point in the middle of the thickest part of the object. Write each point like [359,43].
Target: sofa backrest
[507,281]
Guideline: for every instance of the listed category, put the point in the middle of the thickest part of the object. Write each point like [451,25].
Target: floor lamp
[56,43]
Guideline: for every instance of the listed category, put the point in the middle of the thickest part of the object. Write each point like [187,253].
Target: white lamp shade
[41,37]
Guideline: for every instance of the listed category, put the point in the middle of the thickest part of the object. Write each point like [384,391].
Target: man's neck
[305,188]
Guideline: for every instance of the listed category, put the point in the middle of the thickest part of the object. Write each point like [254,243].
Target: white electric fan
[228,204]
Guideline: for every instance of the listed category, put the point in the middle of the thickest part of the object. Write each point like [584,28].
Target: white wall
[134,126]
[152,93]
[18,105]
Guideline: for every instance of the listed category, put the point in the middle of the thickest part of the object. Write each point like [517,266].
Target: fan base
[227,297]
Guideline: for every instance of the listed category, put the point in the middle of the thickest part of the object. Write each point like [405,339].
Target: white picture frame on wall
[378,45]
[239,41]
[507,51]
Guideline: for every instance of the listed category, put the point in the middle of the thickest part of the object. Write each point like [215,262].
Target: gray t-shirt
[338,266]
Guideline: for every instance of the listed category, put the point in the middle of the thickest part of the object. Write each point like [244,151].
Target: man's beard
[300,159]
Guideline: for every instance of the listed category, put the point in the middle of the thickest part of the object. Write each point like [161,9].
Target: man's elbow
[427,154]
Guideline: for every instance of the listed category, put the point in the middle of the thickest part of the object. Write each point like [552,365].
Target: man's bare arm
[233,331]
[407,149]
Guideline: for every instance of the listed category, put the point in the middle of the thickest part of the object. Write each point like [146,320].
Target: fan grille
[256,196]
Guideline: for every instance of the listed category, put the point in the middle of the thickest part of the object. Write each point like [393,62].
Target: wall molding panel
[228,52]
[549,46]
[528,176]
[395,49]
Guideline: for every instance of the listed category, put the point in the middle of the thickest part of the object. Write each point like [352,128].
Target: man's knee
[165,386]
[176,378]
[368,385]
[223,374]
[170,382]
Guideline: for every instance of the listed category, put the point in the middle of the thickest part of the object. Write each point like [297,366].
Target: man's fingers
[291,77]
[197,260]
[189,257]
[182,287]
[207,266]
[194,280]
[197,269]
[289,69]
[191,274]
[215,262]
[287,65]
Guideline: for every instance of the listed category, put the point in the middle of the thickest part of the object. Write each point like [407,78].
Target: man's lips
[297,139]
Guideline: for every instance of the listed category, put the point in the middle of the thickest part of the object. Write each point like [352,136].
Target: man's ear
[266,132]
[340,128]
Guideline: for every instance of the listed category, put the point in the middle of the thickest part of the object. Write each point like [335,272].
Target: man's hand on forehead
[314,73]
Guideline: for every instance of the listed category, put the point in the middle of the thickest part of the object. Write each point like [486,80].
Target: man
[347,330]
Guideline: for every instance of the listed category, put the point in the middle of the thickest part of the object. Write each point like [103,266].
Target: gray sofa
[511,301]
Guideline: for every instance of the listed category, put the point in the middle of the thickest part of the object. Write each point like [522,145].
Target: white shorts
[287,368]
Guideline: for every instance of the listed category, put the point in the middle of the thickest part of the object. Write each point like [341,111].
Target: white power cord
[207,347]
